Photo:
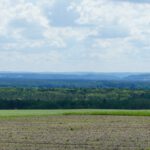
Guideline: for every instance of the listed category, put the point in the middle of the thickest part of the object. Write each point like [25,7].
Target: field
[74,129]
[32,113]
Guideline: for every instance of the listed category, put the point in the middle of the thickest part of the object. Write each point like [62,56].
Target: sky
[75,35]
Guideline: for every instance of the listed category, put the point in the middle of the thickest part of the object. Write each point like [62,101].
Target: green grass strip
[30,113]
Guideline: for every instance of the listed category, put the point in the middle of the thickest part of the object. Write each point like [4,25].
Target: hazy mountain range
[77,76]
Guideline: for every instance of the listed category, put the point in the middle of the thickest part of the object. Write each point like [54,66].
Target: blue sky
[75,35]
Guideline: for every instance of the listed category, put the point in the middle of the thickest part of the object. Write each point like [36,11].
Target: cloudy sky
[75,35]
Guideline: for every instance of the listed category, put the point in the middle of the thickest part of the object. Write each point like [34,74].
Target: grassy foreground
[30,113]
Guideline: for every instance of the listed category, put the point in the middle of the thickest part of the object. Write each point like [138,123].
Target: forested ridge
[59,83]
[58,98]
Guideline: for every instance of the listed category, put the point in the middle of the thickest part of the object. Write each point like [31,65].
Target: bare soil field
[75,132]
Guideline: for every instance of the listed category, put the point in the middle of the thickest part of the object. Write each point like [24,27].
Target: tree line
[69,98]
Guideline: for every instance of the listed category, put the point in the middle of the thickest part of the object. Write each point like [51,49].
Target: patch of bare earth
[75,132]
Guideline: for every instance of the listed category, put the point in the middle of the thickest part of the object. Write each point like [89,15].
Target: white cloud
[34,14]
[31,13]
[127,21]
[104,32]
[30,61]
[107,13]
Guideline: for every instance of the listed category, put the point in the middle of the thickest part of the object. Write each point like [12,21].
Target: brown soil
[75,133]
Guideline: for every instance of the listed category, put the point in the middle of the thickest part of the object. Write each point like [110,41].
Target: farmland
[74,129]
[69,118]
[75,132]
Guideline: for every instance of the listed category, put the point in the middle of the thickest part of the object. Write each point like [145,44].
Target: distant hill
[75,80]
[138,77]
[65,76]
[78,76]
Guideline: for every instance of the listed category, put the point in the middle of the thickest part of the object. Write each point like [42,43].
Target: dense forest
[74,90]
[52,98]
